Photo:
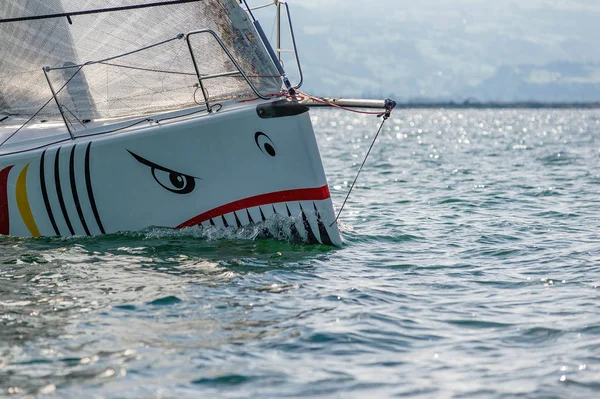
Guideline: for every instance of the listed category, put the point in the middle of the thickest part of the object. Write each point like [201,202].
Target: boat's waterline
[310,210]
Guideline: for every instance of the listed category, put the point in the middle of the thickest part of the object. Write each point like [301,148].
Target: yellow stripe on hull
[23,203]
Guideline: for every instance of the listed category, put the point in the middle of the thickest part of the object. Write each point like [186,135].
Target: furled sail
[153,80]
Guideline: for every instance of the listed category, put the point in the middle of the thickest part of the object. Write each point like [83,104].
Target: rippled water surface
[471,269]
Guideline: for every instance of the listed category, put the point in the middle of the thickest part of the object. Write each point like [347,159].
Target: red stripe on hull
[302,194]
[4,217]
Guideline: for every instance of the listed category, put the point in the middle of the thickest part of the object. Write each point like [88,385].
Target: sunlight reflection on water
[470,269]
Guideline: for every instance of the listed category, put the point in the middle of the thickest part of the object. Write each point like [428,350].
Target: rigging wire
[29,120]
[97,11]
[166,71]
[359,170]
[42,107]
[147,69]
[249,10]
[389,105]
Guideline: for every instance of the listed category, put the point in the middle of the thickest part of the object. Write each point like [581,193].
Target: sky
[451,49]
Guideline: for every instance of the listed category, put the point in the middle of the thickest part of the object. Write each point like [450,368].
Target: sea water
[471,269]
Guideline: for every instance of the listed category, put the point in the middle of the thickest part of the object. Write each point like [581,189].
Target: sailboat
[120,115]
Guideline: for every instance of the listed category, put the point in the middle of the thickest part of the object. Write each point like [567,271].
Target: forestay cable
[389,105]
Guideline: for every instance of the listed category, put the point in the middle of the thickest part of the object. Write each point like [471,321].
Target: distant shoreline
[499,105]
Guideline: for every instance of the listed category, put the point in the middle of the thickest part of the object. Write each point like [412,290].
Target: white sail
[153,80]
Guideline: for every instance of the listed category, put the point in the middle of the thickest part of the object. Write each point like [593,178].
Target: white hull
[230,168]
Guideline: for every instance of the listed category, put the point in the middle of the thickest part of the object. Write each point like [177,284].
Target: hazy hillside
[451,49]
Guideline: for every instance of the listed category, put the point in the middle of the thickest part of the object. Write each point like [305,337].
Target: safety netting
[160,77]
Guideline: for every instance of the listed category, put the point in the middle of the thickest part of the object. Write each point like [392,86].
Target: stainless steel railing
[201,78]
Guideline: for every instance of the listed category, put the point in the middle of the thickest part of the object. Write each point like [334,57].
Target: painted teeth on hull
[296,237]
[311,238]
[225,224]
[250,220]
[262,215]
[325,239]
[237,221]
[306,226]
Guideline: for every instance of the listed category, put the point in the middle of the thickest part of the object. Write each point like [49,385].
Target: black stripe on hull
[45,194]
[90,191]
[74,191]
[59,193]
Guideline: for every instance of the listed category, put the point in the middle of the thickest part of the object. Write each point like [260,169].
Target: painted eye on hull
[264,143]
[169,179]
